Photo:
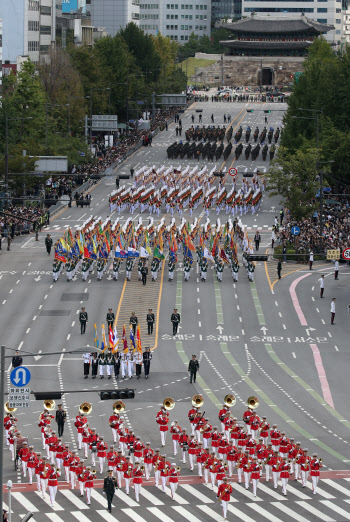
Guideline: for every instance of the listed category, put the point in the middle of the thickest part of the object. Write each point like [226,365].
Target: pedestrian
[9,240]
[311,259]
[60,419]
[132,172]
[109,487]
[281,216]
[166,125]
[257,239]
[321,281]
[110,318]
[265,119]
[87,359]
[144,273]
[83,318]
[48,243]
[193,368]
[17,360]
[284,253]
[117,182]
[147,356]
[273,238]
[175,319]
[332,310]
[133,322]
[150,321]
[177,131]
[279,268]
[336,269]
[212,118]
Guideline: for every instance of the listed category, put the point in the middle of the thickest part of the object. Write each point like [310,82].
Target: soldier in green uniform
[116,266]
[85,269]
[100,267]
[204,269]
[235,268]
[154,268]
[251,268]
[56,270]
[187,269]
[219,270]
[129,265]
[171,268]
[69,270]
[140,265]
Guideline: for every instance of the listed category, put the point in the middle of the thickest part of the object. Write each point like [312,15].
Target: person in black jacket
[150,321]
[193,368]
[109,486]
[144,273]
[83,318]
[17,360]
[48,243]
[60,419]
[147,356]
[175,319]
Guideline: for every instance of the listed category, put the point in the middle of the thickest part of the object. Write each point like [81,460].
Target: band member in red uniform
[183,441]
[148,455]
[175,431]
[38,468]
[234,432]
[220,471]
[120,466]
[192,414]
[294,454]
[111,460]
[174,474]
[246,418]
[32,460]
[230,455]
[192,451]
[114,424]
[255,470]
[80,422]
[275,462]
[222,415]
[52,483]
[224,495]
[254,423]
[215,440]
[67,457]
[264,430]
[89,484]
[128,473]
[59,453]
[137,480]
[284,474]
[162,419]
[315,465]
[275,438]
[44,476]
[101,452]
[207,434]
[268,465]
[304,462]
[23,454]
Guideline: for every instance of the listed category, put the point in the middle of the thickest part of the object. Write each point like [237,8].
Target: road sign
[19,397]
[333,254]
[233,171]
[20,376]
[346,254]
[295,230]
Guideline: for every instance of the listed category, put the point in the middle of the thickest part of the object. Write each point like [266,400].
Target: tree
[295,179]
[142,47]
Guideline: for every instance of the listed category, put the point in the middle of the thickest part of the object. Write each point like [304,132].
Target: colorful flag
[138,339]
[157,254]
[132,252]
[143,252]
[132,338]
[125,342]
[96,342]
[207,254]
[115,339]
[104,344]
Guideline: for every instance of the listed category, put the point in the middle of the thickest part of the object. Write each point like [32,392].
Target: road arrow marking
[220,328]
[308,330]
[37,278]
[37,357]
[18,378]
[264,329]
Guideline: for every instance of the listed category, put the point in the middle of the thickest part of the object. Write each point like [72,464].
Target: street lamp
[7,156]
[9,485]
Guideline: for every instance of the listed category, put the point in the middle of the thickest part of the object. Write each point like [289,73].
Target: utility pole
[153,105]
[90,118]
[222,69]
[2,392]
[6,169]
[195,76]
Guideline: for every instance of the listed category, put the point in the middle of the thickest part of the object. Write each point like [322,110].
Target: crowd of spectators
[23,220]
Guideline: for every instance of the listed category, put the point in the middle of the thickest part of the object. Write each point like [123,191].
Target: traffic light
[46,396]
[257,257]
[117,394]
[250,110]
[267,112]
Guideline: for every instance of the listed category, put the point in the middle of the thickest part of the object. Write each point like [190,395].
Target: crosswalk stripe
[315,511]
[211,513]
[297,493]
[263,512]
[199,496]
[177,497]
[337,509]
[159,514]
[46,499]
[25,502]
[133,515]
[186,514]
[107,516]
[270,492]
[54,518]
[240,514]
[215,489]
[320,491]
[125,498]
[80,516]
[245,492]
[74,499]
[152,498]
[289,511]
[337,486]
[5,506]
[99,498]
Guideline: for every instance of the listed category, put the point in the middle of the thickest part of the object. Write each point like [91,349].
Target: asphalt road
[269,339]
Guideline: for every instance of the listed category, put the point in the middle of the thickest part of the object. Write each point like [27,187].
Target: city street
[269,338]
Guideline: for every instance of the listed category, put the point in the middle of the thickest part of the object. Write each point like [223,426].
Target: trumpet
[118,407]
[93,471]
[229,400]
[197,401]
[169,403]
[142,468]
[85,408]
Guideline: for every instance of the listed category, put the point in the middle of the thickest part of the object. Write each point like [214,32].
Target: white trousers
[38,482]
[205,443]
[198,433]
[183,456]
[130,368]
[115,434]
[86,447]
[191,459]
[59,463]
[148,470]
[164,479]
[297,471]
[110,369]
[163,437]
[255,483]
[206,475]
[31,475]
[239,473]
[72,478]
[246,479]
[304,477]
[268,472]
[12,449]
[102,461]
[173,487]
[127,485]
[43,486]
[137,488]
[88,495]
[81,487]
[224,507]
[314,483]
[66,472]
[230,464]
[102,369]
[156,477]
[119,478]
[212,479]
[53,491]
[175,444]
[80,439]
[275,476]
[199,464]
[284,485]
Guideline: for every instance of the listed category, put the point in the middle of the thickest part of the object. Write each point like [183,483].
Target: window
[182,37]
[33,5]
[337,31]
[33,26]
[45,29]
[322,9]
[33,46]
[338,11]
[186,38]
[322,20]
[45,10]
[338,21]
[44,48]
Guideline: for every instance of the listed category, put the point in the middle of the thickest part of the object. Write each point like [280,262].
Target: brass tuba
[8,409]
[169,403]
[85,408]
[252,402]
[49,404]
[118,407]
[229,400]
[197,401]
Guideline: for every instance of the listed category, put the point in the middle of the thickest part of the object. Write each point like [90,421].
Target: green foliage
[204,44]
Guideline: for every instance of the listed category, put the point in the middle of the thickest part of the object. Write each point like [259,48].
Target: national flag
[208,254]
[148,248]
[132,338]
[190,245]
[223,255]
[132,252]
[104,345]
[173,256]
[62,247]
[121,254]
[138,339]
[143,252]
[125,342]
[60,257]
[214,246]
[115,339]
[157,254]
[86,252]
[175,247]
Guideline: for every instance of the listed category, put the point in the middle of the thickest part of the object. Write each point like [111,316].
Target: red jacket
[224,492]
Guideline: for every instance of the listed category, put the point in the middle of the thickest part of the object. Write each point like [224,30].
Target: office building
[226,9]
[114,15]
[176,21]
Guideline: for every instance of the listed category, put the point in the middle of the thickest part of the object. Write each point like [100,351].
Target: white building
[176,21]
[346,26]
[114,15]
[324,11]
[29,28]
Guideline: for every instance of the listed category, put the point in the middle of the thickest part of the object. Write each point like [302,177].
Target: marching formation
[247,448]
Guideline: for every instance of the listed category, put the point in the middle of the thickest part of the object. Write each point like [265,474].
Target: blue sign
[326,189]
[295,231]
[69,5]
[20,376]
